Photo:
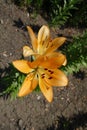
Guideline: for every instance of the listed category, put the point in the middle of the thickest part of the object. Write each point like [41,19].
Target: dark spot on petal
[50,40]
[51,72]
[52,45]
[45,69]
[43,42]
[43,76]
[50,77]
[47,87]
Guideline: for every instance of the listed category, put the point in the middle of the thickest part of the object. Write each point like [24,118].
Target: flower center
[45,73]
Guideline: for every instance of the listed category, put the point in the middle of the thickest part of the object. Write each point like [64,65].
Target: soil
[68,111]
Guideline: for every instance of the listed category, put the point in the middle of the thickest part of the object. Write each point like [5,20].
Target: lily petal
[28,85]
[56,43]
[54,61]
[37,62]
[65,62]
[46,89]
[43,38]
[22,66]
[33,38]
[56,78]
[27,51]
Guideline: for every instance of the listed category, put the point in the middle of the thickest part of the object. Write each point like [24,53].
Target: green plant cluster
[76,53]
[11,82]
[60,11]
[80,15]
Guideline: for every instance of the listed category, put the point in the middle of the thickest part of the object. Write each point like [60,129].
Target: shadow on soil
[19,24]
[72,123]
[6,76]
[80,75]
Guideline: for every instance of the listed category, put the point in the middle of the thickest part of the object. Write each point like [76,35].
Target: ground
[68,111]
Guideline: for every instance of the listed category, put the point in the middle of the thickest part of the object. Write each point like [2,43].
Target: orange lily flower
[42,44]
[43,73]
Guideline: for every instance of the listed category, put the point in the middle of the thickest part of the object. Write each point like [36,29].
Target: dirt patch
[68,111]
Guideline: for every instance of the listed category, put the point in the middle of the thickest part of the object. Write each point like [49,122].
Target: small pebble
[10,54]
[5,55]
[32,128]
[20,122]
[28,15]
[1,21]
[62,98]
[38,97]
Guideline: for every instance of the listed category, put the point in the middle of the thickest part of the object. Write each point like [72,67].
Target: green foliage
[60,11]
[37,4]
[81,21]
[11,82]
[76,54]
